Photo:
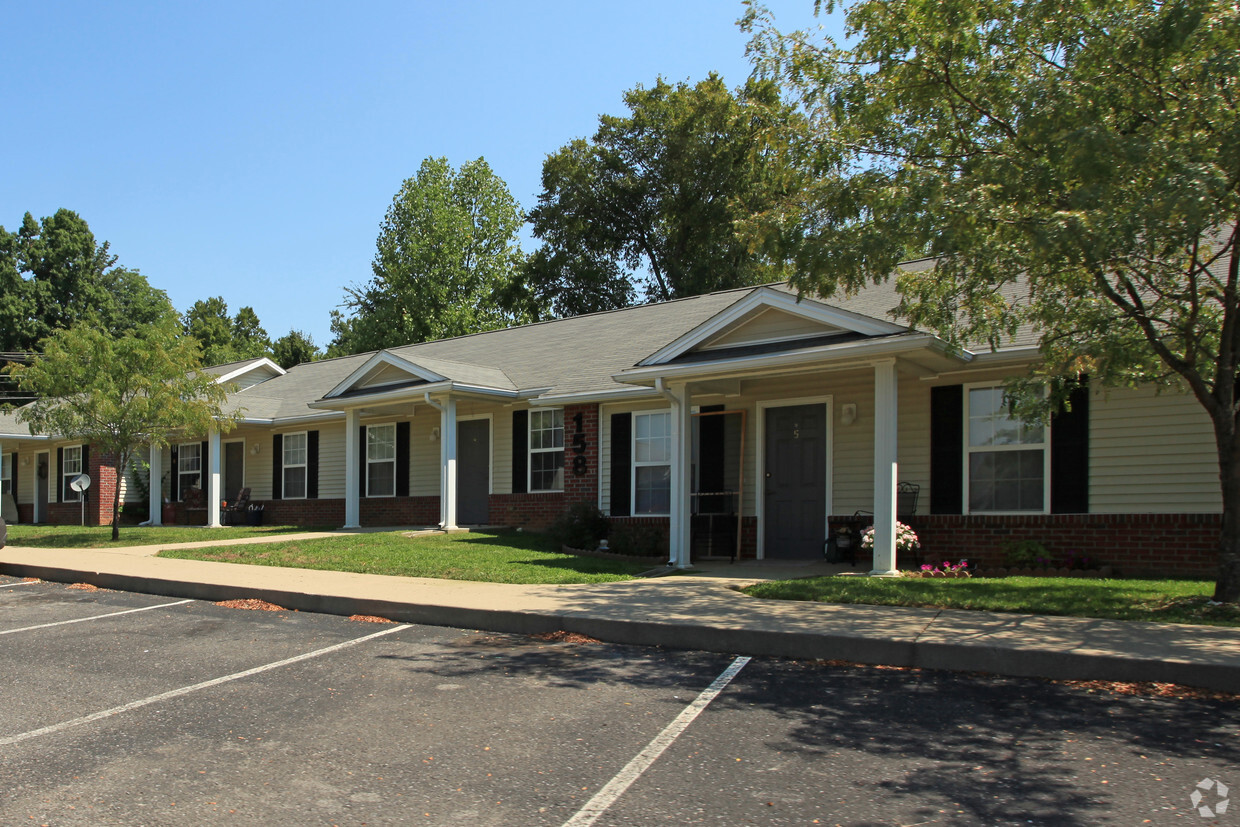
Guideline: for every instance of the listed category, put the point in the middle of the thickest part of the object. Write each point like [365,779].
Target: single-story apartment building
[747,420]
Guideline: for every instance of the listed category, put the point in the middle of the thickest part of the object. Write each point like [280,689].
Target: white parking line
[185,690]
[92,617]
[11,585]
[615,788]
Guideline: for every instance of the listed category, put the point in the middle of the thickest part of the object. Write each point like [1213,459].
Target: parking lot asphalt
[135,709]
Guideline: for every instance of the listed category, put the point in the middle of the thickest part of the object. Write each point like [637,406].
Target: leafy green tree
[648,208]
[53,274]
[121,393]
[295,347]
[1072,165]
[446,256]
[225,338]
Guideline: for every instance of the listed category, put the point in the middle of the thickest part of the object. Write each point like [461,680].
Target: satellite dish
[80,483]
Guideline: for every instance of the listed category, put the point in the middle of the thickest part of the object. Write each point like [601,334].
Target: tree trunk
[116,500]
[1227,587]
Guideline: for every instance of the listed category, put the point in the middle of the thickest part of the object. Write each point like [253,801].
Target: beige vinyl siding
[1152,453]
[424,453]
[771,325]
[501,450]
[331,460]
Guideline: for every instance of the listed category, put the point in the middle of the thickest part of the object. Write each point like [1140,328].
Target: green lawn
[69,536]
[1166,601]
[506,557]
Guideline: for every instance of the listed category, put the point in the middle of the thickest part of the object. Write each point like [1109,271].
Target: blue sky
[250,150]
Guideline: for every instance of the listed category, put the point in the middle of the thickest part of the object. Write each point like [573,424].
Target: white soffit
[769,315]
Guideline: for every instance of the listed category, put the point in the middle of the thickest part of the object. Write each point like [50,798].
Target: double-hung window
[6,473]
[70,467]
[294,466]
[381,460]
[652,463]
[547,450]
[189,466]
[1006,458]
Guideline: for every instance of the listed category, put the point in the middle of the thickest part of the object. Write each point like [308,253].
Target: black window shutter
[361,461]
[60,469]
[13,474]
[520,452]
[277,467]
[402,459]
[176,476]
[204,465]
[1070,454]
[312,465]
[621,464]
[947,449]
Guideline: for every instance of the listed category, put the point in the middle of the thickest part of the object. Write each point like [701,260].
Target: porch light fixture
[435,434]
[255,449]
[848,413]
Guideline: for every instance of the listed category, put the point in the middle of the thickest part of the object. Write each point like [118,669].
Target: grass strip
[69,536]
[1164,601]
[491,557]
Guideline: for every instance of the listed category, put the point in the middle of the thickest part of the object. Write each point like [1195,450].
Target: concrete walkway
[701,610]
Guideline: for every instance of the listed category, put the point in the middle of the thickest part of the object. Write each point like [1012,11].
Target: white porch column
[156,480]
[352,479]
[213,480]
[447,447]
[885,467]
[680,519]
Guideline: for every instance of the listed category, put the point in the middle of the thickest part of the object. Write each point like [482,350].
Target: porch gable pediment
[383,370]
[770,317]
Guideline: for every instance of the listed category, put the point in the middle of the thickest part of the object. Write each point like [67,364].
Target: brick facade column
[581,454]
[102,489]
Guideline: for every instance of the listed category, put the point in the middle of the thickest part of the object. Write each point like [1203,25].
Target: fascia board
[337,404]
[590,397]
[41,437]
[242,371]
[766,297]
[848,352]
[383,358]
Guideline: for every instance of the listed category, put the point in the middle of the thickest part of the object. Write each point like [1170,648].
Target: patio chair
[234,514]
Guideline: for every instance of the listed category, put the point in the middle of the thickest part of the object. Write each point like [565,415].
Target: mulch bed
[251,603]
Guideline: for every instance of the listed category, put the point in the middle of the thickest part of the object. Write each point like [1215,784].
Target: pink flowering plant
[946,566]
[906,539]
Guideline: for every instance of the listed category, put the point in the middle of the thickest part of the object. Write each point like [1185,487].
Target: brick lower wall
[1136,544]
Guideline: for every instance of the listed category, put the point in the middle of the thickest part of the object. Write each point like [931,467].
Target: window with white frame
[70,467]
[652,463]
[547,450]
[189,466]
[1006,457]
[381,460]
[6,473]
[293,466]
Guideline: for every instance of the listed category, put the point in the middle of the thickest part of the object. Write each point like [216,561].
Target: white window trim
[285,465]
[69,495]
[634,464]
[9,476]
[531,450]
[366,481]
[1044,446]
[202,459]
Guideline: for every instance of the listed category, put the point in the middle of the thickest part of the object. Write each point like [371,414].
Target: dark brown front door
[234,470]
[473,471]
[795,504]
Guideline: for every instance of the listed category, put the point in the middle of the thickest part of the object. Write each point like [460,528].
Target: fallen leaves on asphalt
[370,619]
[566,637]
[251,603]
[85,587]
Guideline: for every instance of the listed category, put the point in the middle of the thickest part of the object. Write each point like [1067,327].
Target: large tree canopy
[1087,149]
[647,209]
[225,338]
[53,274]
[446,257]
[295,347]
[121,393]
